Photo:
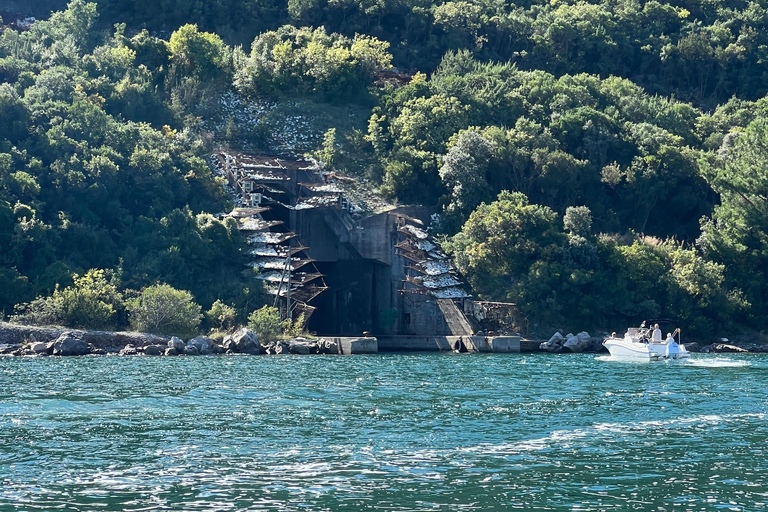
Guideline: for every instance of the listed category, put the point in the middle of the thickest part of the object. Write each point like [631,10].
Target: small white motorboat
[647,344]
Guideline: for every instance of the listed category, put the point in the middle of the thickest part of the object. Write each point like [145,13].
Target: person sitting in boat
[656,334]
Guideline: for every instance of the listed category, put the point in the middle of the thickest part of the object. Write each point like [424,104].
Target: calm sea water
[389,432]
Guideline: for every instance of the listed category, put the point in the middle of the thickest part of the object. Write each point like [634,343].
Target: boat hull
[623,348]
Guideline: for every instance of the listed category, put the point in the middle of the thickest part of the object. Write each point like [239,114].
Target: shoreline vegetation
[593,163]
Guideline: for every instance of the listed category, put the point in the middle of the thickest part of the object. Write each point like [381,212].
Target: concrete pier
[494,344]
[357,345]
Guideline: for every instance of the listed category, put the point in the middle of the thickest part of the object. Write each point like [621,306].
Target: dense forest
[595,163]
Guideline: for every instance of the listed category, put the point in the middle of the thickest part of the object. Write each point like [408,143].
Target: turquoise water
[389,432]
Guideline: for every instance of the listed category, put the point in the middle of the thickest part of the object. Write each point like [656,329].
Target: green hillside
[595,163]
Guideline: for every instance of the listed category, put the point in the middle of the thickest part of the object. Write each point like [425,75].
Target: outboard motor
[673,350]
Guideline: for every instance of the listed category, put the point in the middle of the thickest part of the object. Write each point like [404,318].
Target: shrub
[91,303]
[221,315]
[265,322]
[162,309]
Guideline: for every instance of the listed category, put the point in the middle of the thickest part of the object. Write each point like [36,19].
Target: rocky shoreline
[23,340]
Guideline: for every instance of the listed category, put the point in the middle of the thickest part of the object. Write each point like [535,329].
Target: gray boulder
[555,343]
[129,350]
[7,348]
[69,345]
[243,341]
[692,347]
[154,350]
[301,347]
[191,351]
[176,343]
[171,351]
[39,347]
[328,346]
[578,343]
[281,347]
[202,344]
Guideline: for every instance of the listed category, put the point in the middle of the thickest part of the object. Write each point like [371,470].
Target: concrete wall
[495,344]
[417,343]
[349,346]
[364,274]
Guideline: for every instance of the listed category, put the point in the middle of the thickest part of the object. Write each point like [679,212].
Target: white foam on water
[716,363]
[691,361]
[559,438]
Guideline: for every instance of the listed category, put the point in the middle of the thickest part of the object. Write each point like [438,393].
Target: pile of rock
[244,341]
[303,346]
[577,343]
[67,344]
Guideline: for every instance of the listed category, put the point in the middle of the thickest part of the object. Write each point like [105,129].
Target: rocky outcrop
[202,344]
[30,341]
[302,346]
[555,343]
[578,343]
[176,344]
[112,342]
[154,350]
[39,347]
[692,347]
[129,350]
[68,344]
[243,341]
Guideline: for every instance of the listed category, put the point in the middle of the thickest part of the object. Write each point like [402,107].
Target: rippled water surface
[387,432]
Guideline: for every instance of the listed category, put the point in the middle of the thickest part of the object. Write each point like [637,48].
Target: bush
[265,322]
[221,315]
[92,303]
[163,309]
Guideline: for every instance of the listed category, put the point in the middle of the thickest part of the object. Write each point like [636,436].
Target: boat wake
[717,363]
[692,361]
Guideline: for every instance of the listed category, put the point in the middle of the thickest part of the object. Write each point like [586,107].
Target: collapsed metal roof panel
[437,282]
[413,231]
[251,224]
[317,202]
[323,187]
[450,293]
[240,213]
[433,268]
[299,278]
[267,237]
[277,263]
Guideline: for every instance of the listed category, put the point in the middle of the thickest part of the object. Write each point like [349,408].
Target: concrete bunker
[348,267]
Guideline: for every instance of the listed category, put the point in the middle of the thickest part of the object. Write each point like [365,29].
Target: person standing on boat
[656,334]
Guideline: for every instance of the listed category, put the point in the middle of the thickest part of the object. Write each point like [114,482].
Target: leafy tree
[463,172]
[737,232]
[201,54]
